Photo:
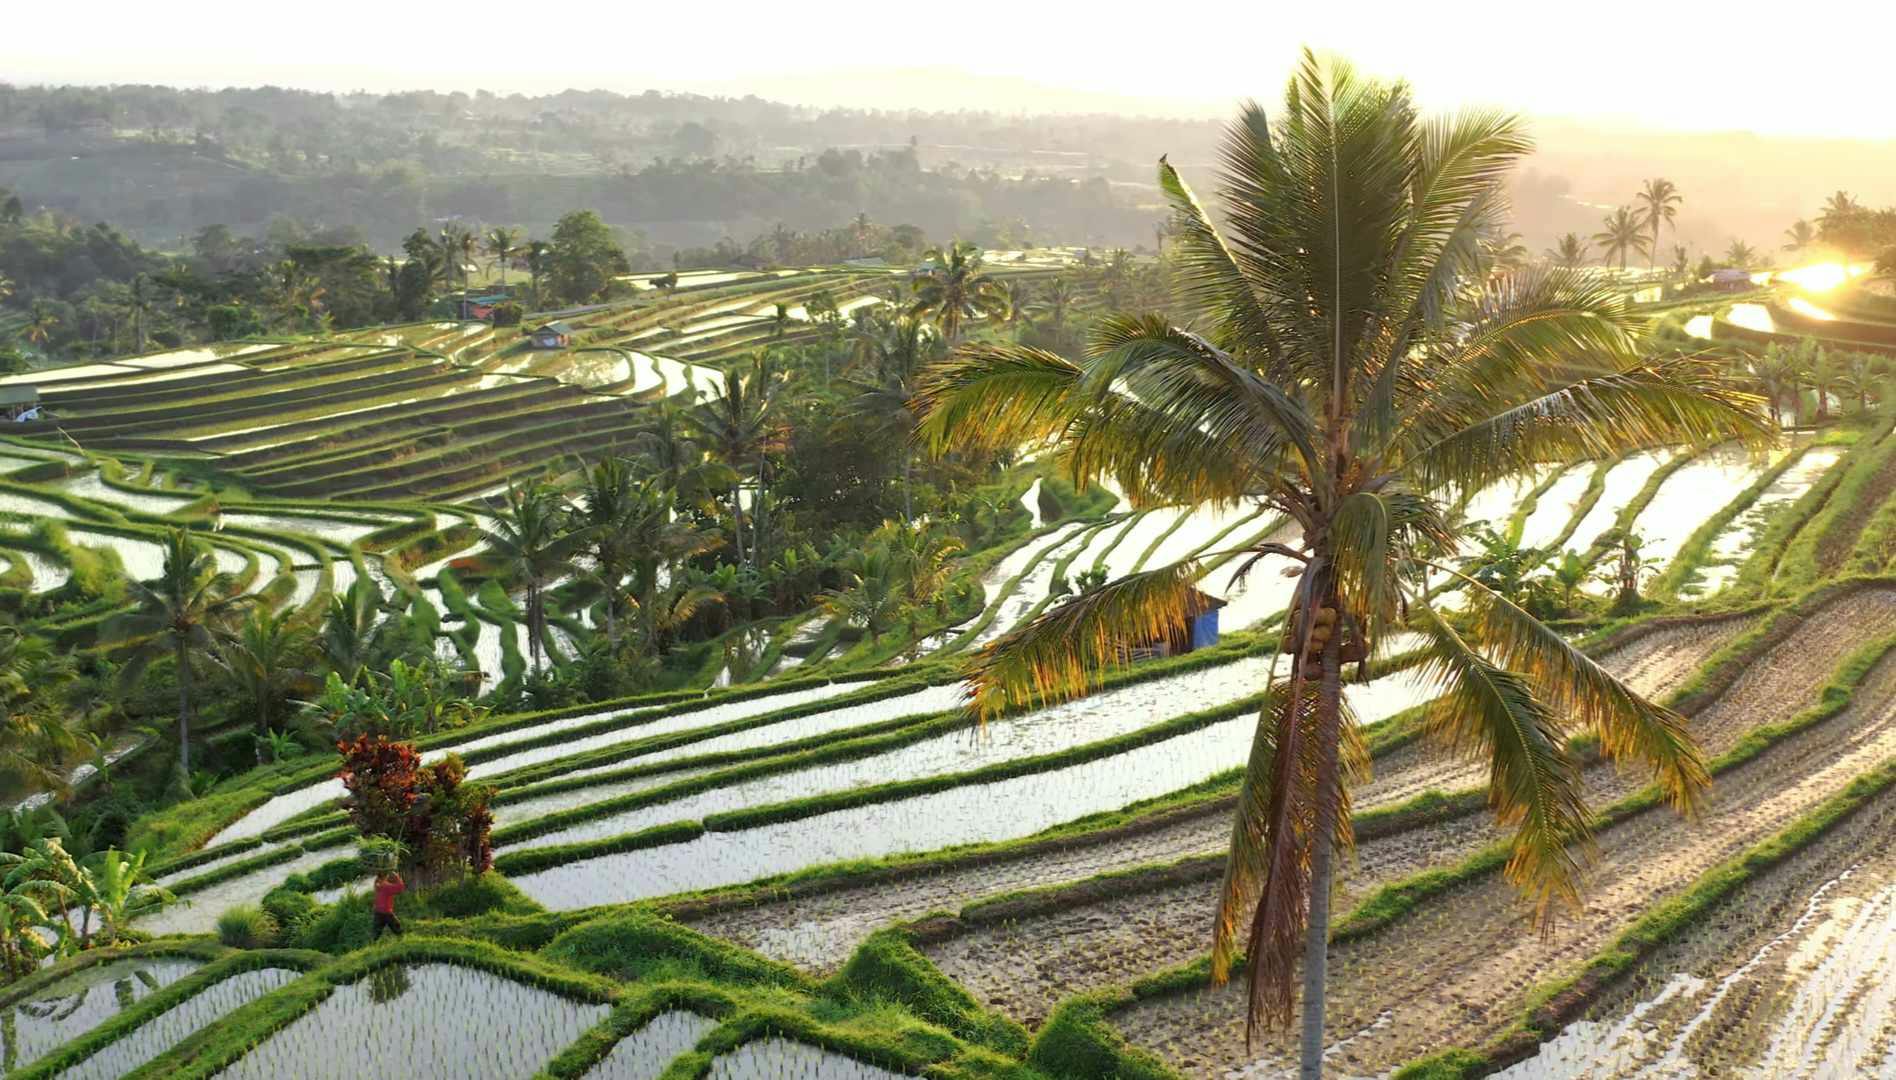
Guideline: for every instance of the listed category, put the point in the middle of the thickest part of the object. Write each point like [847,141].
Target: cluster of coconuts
[1324,625]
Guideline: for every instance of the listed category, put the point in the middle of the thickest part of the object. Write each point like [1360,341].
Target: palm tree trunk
[737,509]
[908,482]
[183,661]
[1317,933]
[535,613]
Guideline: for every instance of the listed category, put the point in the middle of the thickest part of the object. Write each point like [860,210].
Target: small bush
[507,313]
[293,911]
[246,927]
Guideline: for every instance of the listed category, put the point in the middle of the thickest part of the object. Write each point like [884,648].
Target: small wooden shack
[1199,630]
[553,335]
[19,401]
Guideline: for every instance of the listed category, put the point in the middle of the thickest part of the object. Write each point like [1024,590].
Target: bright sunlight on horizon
[1792,77]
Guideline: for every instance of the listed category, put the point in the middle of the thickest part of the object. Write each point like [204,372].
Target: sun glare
[1806,308]
[1823,276]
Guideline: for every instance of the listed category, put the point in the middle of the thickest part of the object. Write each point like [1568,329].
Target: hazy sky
[1672,65]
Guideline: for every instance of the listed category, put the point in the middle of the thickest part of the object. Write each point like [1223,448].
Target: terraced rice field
[773,860]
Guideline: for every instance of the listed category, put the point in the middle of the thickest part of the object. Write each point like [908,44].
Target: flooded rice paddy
[422,1022]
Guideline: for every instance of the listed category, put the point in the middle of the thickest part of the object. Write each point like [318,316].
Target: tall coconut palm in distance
[1569,252]
[1345,371]
[503,243]
[532,544]
[739,428]
[1838,206]
[1658,204]
[953,289]
[1800,237]
[181,614]
[1621,232]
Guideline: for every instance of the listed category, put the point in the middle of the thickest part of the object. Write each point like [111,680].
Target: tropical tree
[181,615]
[503,243]
[1344,369]
[604,510]
[138,304]
[1659,203]
[348,637]
[1740,255]
[539,258]
[1799,237]
[900,569]
[884,388]
[1861,379]
[36,733]
[952,288]
[1569,252]
[1621,232]
[269,659]
[1502,251]
[739,428]
[1774,374]
[1681,260]
[658,543]
[531,544]
[1839,207]
[41,323]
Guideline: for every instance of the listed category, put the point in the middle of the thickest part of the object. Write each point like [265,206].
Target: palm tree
[1775,376]
[270,658]
[138,302]
[1860,379]
[1570,252]
[1799,237]
[181,614]
[1341,372]
[953,288]
[657,543]
[503,243]
[1740,255]
[36,735]
[1502,251]
[538,252]
[530,543]
[605,510]
[348,635]
[739,428]
[42,321]
[1621,232]
[1681,260]
[883,394]
[1838,207]
[1658,204]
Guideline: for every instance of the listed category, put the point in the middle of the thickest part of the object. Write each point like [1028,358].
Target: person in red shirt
[387,887]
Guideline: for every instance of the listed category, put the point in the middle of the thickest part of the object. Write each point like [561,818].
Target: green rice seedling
[80,1002]
[246,927]
[437,1020]
[645,1053]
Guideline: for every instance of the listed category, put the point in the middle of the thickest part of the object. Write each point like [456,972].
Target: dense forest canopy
[676,169]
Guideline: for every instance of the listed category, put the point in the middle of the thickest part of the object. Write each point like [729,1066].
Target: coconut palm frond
[1493,715]
[1064,652]
[1629,726]
[996,397]
[1678,401]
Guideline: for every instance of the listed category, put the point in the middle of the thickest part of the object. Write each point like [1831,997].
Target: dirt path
[1457,971]
[819,932]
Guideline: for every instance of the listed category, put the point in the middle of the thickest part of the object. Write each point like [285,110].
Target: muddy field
[1783,979]
[1457,970]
